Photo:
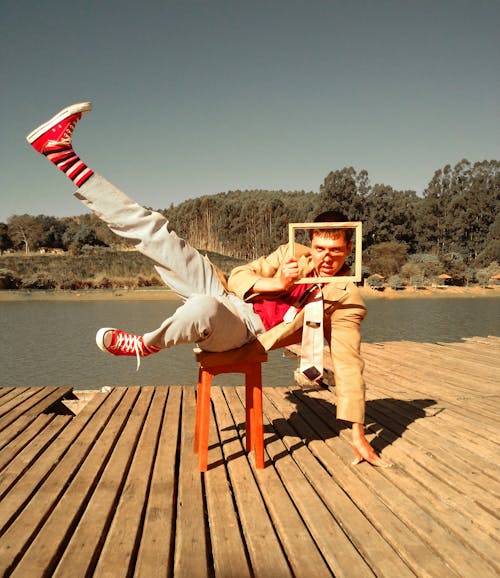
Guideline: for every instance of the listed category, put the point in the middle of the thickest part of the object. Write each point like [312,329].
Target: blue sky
[196,97]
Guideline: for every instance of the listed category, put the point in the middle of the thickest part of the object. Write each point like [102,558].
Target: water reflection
[49,343]
[431,320]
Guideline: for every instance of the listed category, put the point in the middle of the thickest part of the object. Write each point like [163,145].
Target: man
[252,303]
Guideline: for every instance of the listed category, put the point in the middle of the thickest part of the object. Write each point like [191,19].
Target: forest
[452,228]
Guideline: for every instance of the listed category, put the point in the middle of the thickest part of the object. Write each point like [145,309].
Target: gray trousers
[210,316]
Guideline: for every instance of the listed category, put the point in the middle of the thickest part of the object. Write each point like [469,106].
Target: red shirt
[271,311]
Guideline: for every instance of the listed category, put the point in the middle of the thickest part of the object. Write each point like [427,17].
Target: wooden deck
[114,491]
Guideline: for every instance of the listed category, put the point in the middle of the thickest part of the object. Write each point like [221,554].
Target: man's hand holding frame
[358,249]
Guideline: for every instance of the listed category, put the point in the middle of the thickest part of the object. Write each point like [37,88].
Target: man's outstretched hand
[363,450]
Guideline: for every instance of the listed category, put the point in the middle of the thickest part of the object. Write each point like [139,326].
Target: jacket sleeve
[244,277]
[345,318]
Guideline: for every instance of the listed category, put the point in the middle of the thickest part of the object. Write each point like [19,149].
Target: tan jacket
[344,311]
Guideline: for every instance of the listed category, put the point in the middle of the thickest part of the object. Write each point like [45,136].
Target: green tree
[475,207]
[339,191]
[485,275]
[53,231]
[386,258]
[80,235]
[491,249]
[103,235]
[5,240]
[412,273]
[459,208]
[389,215]
[428,263]
[395,282]
[454,265]
[434,217]
[26,231]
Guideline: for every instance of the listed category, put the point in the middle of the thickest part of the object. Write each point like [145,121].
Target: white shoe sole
[82,107]
[99,338]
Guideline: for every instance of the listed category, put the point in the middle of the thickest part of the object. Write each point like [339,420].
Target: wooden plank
[415,419]
[25,508]
[432,372]
[301,551]
[31,406]
[320,527]
[396,371]
[445,496]
[438,359]
[97,486]
[434,513]
[440,495]
[55,394]
[417,554]
[226,537]
[357,548]
[34,478]
[394,387]
[7,394]
[482,449]
[117,556]
[190,556]
[465,352]
[264,549]
[11,446]
[431,528]
[468,428]
[383,386]
[4,390]
[30,452]
[433,385]
[10,393]
[389,360]
[450,452]
[14,429]
[387,435]
[448,449]
[17,397]
[155,554]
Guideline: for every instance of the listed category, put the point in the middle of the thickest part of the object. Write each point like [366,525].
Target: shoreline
[165,294]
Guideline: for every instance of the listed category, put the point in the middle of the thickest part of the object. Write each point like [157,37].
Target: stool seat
[243,360]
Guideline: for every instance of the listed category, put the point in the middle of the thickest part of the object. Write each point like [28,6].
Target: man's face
[329,254]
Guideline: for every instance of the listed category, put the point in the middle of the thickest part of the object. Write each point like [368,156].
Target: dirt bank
[168,295]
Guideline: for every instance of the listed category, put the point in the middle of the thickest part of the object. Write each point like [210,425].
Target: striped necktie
[311,354]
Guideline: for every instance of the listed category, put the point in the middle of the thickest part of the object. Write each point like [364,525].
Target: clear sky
[196,97]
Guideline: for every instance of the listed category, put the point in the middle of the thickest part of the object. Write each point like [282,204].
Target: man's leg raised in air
[180,266]
[186,271]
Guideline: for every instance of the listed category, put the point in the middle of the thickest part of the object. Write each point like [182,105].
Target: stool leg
[257,420]
[199,389]
[204,418]
[249,417]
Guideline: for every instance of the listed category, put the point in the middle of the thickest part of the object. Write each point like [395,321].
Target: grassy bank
[93,269]
[109,274]
[165,294]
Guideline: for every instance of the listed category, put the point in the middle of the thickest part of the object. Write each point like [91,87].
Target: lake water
[53,343]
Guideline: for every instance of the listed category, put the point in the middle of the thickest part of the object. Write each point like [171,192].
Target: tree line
[453,227]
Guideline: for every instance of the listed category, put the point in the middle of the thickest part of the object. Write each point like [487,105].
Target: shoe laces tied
[65,138]
[131,344]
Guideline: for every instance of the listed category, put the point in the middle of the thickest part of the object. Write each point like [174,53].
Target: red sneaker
[59,129]
[119,342]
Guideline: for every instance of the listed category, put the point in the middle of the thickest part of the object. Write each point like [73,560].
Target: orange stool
[212,364]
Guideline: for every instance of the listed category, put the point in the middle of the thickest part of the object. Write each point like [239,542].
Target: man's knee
[201,312]
[202,307]
[219,327]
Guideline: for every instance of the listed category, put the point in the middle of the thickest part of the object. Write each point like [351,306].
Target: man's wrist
[267,285]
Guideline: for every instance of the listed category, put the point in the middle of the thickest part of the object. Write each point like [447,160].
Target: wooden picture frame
[358,248]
